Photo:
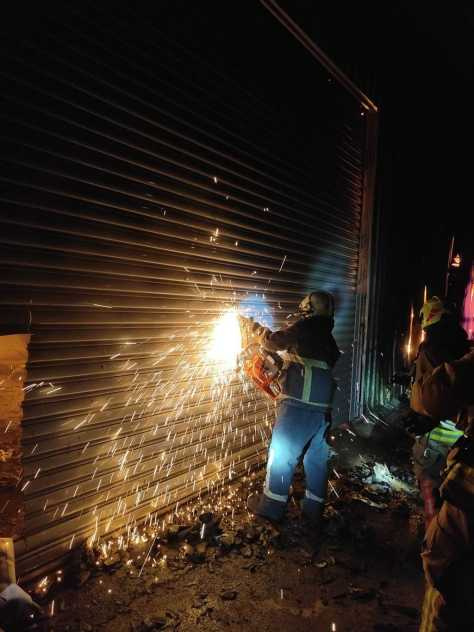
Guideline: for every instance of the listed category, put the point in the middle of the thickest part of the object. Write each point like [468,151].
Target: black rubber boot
[265,507]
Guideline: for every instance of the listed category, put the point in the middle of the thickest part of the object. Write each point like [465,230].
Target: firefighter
[445,340]
[448,552]
[304,412]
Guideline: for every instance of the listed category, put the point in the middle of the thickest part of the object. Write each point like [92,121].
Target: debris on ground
[215,567]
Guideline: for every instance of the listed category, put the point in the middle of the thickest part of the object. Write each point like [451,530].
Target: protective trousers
[448,562]
[299,429]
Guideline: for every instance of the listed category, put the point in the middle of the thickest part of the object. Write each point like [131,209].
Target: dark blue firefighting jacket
[311,353]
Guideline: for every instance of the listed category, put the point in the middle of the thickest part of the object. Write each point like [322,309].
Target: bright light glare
[226,340]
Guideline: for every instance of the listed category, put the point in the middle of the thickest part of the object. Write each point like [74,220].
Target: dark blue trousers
[299,428]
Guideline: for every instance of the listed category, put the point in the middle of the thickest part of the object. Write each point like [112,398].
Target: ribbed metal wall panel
[125,144]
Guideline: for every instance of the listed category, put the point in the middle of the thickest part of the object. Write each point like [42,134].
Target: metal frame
[366,321]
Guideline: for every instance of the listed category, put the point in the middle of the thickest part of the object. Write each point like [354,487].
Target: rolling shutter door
[155,170]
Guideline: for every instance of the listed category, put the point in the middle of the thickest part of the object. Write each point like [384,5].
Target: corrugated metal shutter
[156,168]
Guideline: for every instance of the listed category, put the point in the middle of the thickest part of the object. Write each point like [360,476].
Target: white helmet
[317,303]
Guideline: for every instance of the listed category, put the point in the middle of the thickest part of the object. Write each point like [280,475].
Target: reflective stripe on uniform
[448,424]
[430,609]
[278,497]
[308,381]
[308,375]
[266,490]
[445,436]
[308,365]
[317,404]
[311,496]
[318,364]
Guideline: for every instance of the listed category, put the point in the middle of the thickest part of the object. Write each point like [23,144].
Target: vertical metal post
[366,323]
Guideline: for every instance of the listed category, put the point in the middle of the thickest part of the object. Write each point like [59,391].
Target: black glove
[417,424]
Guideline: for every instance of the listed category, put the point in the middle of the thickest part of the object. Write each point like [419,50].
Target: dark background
[415,59]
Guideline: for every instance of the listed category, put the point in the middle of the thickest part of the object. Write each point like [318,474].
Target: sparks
[226,340]
[282,264]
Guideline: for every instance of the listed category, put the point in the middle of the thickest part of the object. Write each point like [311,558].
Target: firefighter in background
[304,412]
[448,554]
[445,341]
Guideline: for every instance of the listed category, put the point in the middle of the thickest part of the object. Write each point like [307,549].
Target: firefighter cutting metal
[295,365]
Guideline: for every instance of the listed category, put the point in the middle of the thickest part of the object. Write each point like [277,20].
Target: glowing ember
[226,340]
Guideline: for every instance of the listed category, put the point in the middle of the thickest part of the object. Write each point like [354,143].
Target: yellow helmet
[432,311]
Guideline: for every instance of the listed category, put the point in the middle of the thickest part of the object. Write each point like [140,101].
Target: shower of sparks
[181,422]
[282,264]
[226,341]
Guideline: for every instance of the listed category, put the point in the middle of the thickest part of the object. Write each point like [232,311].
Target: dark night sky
[416,61]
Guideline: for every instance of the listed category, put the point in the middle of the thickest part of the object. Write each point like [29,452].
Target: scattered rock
[186,550]
[157,622]
[112,562]
[228,595]
[227,539]
[201,548]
